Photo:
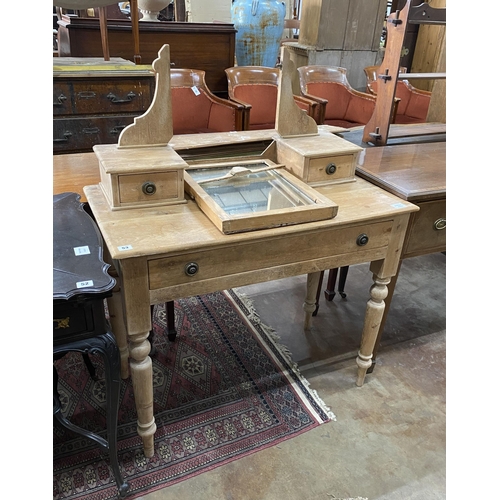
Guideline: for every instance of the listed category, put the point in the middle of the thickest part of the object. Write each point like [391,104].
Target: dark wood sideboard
[94,100]
[206,46]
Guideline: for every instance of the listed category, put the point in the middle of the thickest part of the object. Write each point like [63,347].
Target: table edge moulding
[169,249]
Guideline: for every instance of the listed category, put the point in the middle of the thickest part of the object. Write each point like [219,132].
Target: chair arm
[311,107]
[221,110]
[239,101]
[321,108]
[416,90]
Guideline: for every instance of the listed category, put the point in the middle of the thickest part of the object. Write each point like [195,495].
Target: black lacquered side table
[80,285]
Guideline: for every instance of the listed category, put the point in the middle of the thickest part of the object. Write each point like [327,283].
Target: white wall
[203,11]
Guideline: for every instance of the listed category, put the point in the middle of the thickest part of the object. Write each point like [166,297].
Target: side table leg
[373,318]
[141,371]
[115,309]
[310,300]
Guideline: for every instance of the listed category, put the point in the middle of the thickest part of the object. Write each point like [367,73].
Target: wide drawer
[244,257]
[113,96]
[81,134]
[331,168]
[427,231]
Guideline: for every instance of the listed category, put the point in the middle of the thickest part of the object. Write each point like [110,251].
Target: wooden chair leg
[342,279]
[330,285]
[171,331]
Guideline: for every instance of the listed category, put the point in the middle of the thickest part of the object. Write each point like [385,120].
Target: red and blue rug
[224,389]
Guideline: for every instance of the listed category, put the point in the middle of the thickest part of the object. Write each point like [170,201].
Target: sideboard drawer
[81,134]
[245,257]
[102,96]
[427,230]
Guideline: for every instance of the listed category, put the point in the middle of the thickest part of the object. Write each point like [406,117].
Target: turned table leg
[141,372]
[373,318]
[136,306]
[310,300]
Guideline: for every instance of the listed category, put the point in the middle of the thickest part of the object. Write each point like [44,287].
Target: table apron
[246,263]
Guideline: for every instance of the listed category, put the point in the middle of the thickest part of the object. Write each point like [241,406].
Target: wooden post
[103,23]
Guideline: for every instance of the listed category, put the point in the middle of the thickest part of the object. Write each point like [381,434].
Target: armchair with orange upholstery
[413,103]
[340,104]
[195,109]
[256,88]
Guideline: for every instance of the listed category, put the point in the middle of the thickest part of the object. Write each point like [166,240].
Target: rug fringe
[276,340]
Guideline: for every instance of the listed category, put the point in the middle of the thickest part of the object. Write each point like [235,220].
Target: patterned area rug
[224,389]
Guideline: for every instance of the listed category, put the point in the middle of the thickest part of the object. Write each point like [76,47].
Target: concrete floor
[388,442]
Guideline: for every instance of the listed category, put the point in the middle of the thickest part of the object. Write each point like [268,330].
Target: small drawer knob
[362,240]
[149,188]
[191,269]
[440,224]
[331,168]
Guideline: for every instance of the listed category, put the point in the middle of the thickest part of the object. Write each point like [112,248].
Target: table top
[414,172]
[78,267]
[177,229]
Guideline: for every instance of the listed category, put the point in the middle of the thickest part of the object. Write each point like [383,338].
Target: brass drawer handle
[66,135]
[331,168]
[115,99]
[60,100]
[149,188]
[362,240]
[440,224]
[86,94]
[191,269]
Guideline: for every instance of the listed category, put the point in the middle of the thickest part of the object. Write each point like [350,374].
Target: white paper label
[125,247]
[195,90]
[84,284]
[82,250]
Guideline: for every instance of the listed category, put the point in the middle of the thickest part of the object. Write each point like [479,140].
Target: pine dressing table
[167,249]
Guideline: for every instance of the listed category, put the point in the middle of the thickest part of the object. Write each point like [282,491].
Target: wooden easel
[376,131]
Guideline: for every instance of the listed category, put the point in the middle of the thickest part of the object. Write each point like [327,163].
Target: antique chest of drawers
[94,100]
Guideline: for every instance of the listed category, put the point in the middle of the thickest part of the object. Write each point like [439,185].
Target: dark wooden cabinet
[205,46]
[95,100]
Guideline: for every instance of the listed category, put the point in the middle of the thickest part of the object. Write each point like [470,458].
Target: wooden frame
[320,208]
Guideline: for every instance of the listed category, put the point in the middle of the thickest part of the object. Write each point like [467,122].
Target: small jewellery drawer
[427,232]
[148,187]
[331,168]
[372,239]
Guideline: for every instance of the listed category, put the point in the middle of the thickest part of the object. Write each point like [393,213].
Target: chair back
[258,87]
[345,107]
[195,109]
[413,103]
